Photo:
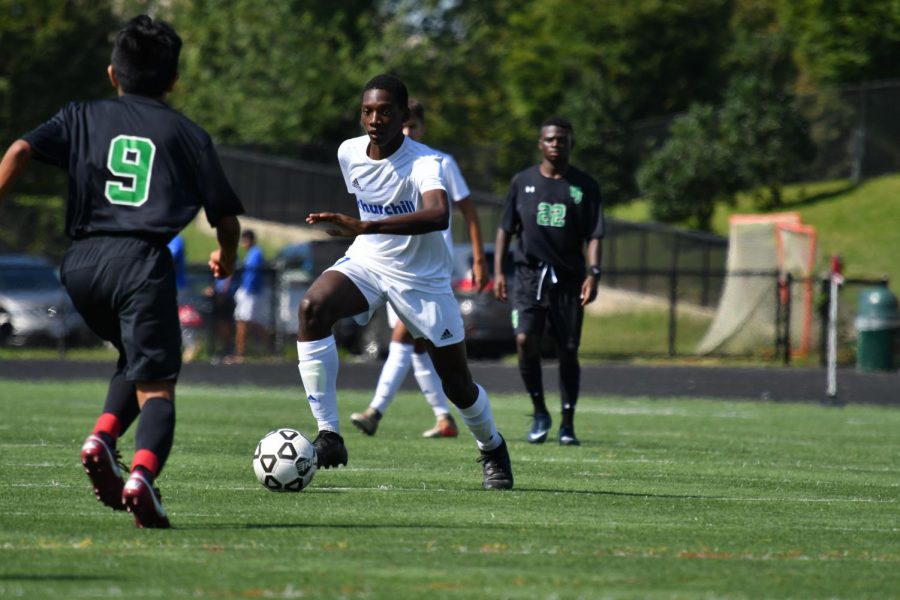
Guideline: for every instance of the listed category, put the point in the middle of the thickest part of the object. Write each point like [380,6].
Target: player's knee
[314,314]
[527,344]
[461,391]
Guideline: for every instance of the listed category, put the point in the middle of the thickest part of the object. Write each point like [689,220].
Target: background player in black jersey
[138,173]
[555,210]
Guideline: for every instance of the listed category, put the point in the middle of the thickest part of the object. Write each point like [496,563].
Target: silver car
[34,306]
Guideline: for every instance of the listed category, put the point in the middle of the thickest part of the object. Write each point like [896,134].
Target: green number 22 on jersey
[130,158]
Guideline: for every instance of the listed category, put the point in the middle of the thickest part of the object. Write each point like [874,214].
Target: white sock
[480,422]
[318,363]
[394,371]
[430,383]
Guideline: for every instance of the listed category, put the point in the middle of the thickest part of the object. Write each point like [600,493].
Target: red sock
[146,460]
[108,424]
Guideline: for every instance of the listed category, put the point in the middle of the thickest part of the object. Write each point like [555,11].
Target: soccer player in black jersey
[139,172]
[555,211]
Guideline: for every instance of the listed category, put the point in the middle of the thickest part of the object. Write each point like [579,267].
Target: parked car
[299,265]
[34,306]
[487,321]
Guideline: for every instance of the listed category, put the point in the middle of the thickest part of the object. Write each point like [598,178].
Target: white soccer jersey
[394,186]
[457,189]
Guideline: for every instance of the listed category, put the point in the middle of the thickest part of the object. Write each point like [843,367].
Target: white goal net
[762,251]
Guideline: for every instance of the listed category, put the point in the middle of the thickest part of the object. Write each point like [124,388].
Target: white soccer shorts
[435,317]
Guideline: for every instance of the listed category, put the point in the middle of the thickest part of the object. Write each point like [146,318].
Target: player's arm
[479,261]
[501,247]
[222,261]
[434,215]
[13,165]
[589,286]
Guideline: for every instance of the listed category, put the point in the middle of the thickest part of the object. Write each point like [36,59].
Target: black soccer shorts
[124,288]
[558,303]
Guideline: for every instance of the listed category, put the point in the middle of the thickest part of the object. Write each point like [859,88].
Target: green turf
[665,499]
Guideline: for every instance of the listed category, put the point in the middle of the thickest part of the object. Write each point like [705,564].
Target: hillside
[860,224]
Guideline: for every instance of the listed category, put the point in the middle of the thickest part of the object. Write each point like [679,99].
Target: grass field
[664,499]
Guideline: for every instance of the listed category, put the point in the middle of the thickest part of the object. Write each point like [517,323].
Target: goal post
[762,250]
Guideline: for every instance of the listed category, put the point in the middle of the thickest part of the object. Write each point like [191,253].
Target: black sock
[569,384]
[121,400]
[154,435]
[530,369]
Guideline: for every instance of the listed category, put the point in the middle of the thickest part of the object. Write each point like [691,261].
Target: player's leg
[474,405]
[332,296]
[566,317]
[153,439]
[149,324]
[430,384]
[99,455]
[393,372]
[101,459]
[529,317]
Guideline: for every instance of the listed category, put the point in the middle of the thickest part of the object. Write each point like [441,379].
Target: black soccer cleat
[567,437]
[540,427]
[497,468]
[330,450]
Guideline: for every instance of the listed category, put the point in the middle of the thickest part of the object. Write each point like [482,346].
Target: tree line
[285,77]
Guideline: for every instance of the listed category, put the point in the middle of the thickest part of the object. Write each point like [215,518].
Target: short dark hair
[556,121]
[145,56]
[391,84]
[249,234]
[417,109]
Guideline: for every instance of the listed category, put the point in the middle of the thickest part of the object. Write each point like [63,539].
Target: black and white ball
[284,461]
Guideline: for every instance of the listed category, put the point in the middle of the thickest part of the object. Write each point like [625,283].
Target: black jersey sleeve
[597,227]
[219,200]
[50,141]
[509,221]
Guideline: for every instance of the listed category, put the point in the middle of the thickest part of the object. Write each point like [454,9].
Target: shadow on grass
[49,577]
[813,199]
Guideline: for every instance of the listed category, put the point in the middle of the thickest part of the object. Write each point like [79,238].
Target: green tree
[50,53]
[691,173]
[843,41]
[272,72]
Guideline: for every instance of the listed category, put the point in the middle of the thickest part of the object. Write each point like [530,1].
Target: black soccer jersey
[135,166]
[553,219]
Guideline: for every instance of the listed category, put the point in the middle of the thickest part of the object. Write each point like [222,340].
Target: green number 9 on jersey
[131,158]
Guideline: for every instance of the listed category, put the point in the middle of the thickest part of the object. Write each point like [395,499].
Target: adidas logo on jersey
[529,189]
[355,183]
[446,335]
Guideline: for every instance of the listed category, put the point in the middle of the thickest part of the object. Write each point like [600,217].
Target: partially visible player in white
[404,351]
[398,257]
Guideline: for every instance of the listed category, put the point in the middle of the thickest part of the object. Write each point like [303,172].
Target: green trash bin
[877,322]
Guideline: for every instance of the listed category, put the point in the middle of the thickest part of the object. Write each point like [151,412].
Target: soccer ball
[284,461]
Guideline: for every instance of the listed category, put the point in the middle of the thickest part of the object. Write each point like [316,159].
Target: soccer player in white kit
[399,256]
[405,352]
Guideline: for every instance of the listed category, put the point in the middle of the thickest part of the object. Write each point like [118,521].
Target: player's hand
[480,275]
[221,266]
[500,287]
[339,225]
[588,290]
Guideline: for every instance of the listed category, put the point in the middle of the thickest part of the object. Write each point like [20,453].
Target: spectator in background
[190,344]
[251,300]
[176,247]
[222,318]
